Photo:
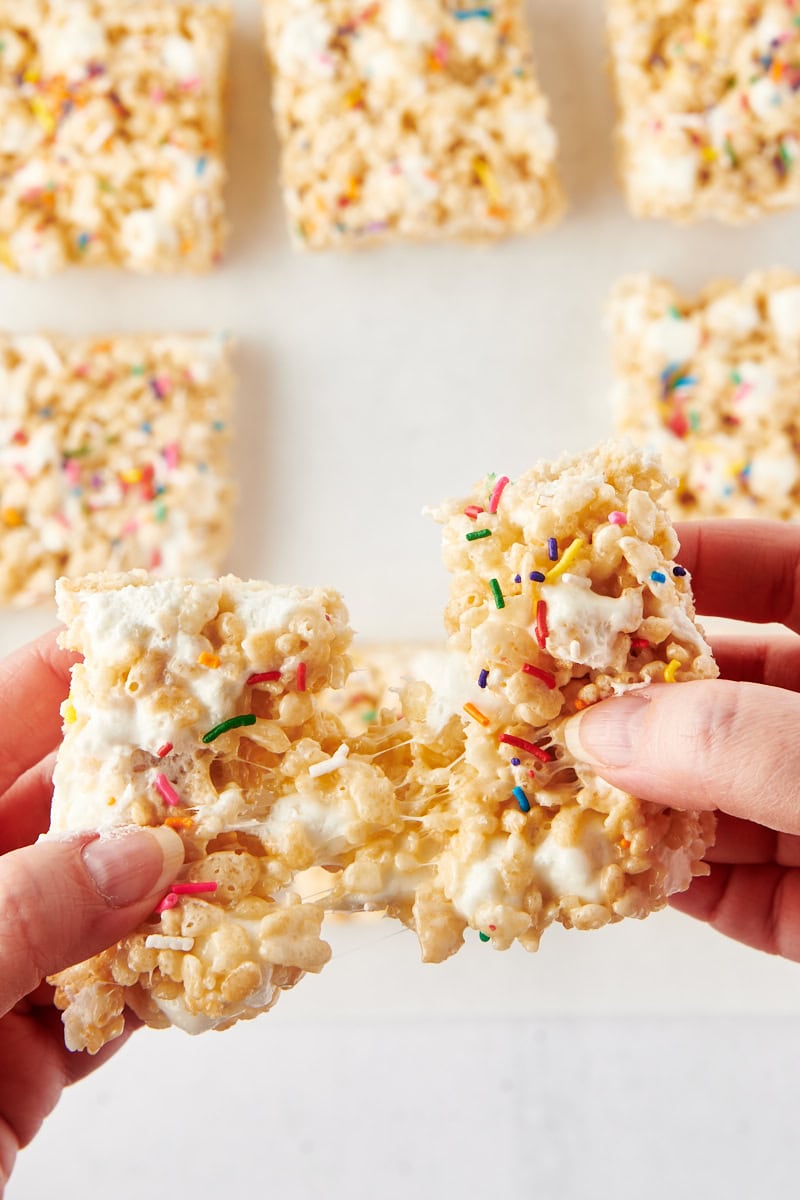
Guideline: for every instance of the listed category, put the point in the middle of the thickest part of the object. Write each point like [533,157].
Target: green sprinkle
[484,937]
[137,370]
[736,377]
[370,716]
[231,723]
[731,153]
[81,452]
[477,534]
[160,512]
[673,312]
[785,155]
[694,419]
[498,595]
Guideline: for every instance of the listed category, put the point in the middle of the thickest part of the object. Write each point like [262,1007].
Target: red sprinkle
[528,747]
[193,889]
[473,511]
[169,901]
[499,488]
[164,750]
[167,791]
[639,643]
[537,672]
[541,623]
[301,677]
[263,677]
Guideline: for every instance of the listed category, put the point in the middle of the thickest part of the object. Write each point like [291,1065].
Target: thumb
[63,900]
[707,744]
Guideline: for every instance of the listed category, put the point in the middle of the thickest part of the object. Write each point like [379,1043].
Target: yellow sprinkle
[567,559]
[30,75]
[703,37]
[671,670]
[709,154]
[486,176]
[208,660]
[43,115]
[68,712]
[12,517]
[6,257]
[112,800]
[132,475]
[476,714]
[354,97]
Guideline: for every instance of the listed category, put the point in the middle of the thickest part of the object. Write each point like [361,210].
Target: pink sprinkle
[169,901]
[172,455]
[618,518]
[72,470]
[193,889]
[499,488]
[473,511]
[166,789]
[164,750]
[130,527]
[301,677]
[263,677]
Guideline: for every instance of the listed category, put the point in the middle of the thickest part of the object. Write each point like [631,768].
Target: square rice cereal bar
[714,385]
[111,134]
[113,454]
[416,119]
[709,100]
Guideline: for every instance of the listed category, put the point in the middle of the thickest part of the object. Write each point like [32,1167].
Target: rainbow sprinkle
[164,750]
[552,549]
[163,785]
[658,577]
[536,577]
[300,681]
[618,518]
[232,723]
[499,488]
[497,593]
[476,714]
[484,936]
[521,799]
[508,739]
[476,534]
[537,672]
[679,571]
[263,677]
[193,888]
[671,670]
[541,623]
[567,559]
[482,678]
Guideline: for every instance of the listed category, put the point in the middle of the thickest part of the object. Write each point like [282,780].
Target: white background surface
[644,1060]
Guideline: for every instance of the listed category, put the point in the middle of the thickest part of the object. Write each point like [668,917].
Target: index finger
[747,570]
[33,682]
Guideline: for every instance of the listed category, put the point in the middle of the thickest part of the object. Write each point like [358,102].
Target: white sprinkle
[98,138]
[331,764]
[156,941]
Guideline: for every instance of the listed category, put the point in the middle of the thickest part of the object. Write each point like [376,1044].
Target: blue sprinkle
[201,165]
[45,413]
[484,675]
[679,571]
[218,426]
[146,427]
[202,468]
[521,799]
[466,14]
[552,549]
[658,577]
[515,762]
[517,579]
[536,577]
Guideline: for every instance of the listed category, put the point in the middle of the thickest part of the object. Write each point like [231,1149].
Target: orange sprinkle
[112,800]
[624,844]
[476,714]
[208,660]
[12,517]
[179,822]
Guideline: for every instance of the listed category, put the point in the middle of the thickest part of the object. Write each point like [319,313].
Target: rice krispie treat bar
[113,454]
[709,100]
[111,134]
[713,384]
[207,706]
[409,118]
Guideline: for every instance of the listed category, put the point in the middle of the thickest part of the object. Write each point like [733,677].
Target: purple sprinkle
[536,577]
[517,579]
[484,675]
[515,762]
[679,571]
[552,549]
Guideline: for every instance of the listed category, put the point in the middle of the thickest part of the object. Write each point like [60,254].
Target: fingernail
[126,865]
[607,734]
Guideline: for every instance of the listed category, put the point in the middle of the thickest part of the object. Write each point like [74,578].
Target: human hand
[731,744]
[61,901]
